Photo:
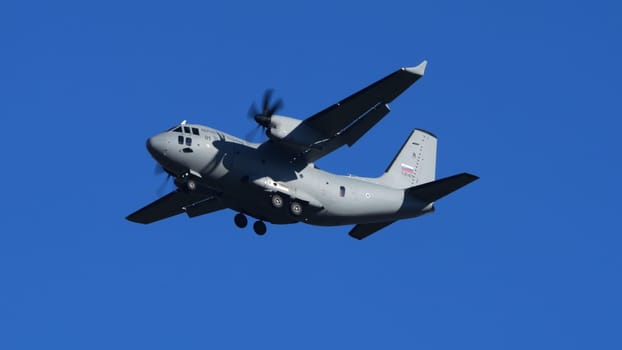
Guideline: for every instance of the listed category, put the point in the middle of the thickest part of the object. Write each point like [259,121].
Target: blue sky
[526,95]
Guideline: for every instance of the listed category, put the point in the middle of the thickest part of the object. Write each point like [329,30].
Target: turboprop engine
[280,128]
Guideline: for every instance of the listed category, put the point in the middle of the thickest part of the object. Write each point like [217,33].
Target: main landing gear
[259,226]
[295,208]
[240,220]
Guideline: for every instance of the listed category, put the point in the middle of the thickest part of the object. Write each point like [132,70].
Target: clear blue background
[524,94]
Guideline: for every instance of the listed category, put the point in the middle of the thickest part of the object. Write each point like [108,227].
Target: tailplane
[432,191]
[414,164]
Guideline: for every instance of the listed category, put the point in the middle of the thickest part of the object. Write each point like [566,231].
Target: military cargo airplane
[278,182]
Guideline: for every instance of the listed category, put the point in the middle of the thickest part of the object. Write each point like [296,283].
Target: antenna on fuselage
[183,122]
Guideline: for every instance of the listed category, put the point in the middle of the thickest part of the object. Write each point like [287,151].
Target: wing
[176,203]
[346,121]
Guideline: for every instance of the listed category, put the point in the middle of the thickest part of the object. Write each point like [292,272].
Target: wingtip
[418,70]
[471,177]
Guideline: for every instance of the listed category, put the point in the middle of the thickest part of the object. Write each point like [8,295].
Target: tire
[296,209]
[277,201]
[240,220]
[260,228]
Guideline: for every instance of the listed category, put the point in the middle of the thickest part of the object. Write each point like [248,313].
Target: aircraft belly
[248,180]
[258,205]
[348,200]
[339,215]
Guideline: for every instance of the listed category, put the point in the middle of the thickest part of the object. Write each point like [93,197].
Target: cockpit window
[195,131]
[177,129]
[187,129]
[188,141]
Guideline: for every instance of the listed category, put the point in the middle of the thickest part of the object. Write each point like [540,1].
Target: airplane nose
[151,145]
[156,145]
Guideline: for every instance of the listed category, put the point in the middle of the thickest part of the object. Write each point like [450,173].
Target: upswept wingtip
[419,70]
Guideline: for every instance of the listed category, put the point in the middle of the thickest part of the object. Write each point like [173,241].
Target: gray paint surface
[214,170]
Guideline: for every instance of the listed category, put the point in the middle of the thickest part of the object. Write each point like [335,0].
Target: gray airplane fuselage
[246,175]
[277,181]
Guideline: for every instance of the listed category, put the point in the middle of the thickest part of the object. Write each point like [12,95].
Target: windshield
[185,129]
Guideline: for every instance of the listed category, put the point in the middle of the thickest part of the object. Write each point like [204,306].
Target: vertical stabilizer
[415,164]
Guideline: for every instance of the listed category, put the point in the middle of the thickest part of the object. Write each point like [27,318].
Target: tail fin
[415,164]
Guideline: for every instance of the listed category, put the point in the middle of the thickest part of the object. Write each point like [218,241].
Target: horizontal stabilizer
[165,207]
[361,231]
[432,191]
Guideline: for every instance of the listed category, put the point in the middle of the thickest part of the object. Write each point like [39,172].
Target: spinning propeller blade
[263,117]
[162,188]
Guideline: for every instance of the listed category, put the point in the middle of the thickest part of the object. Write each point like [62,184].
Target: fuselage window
[342,191]
[180,139]
[188,141]
[195,131]
[187,129]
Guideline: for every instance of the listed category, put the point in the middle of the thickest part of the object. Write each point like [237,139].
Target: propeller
[158,170]
[263,116]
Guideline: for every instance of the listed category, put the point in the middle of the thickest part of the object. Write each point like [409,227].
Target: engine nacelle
[281,126]
[291,132]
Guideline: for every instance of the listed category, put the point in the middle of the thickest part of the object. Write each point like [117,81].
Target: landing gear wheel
[191,185]
[277,201]
[260,228]
[240,220]
[295,208]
